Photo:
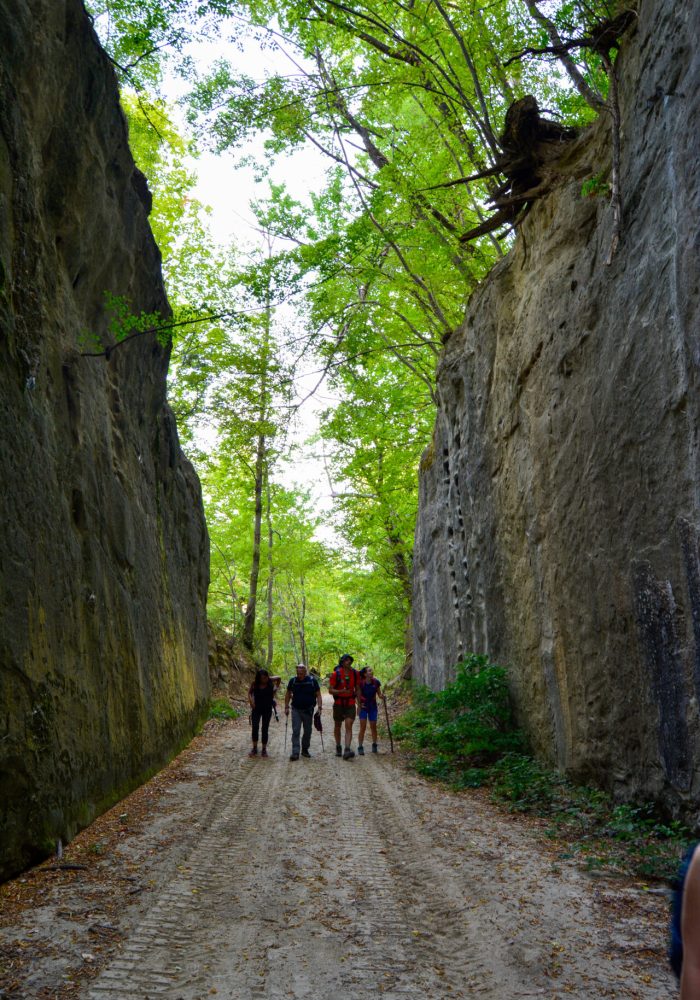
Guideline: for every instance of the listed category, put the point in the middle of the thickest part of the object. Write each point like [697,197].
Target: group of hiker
[355,692]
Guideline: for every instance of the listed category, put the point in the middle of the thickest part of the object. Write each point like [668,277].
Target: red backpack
[340,679]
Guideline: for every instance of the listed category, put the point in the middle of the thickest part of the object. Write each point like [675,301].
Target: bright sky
[228,189]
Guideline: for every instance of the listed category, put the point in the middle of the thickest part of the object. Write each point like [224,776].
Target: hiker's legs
[266,726]
[348,731]
[361,734]
[296,728]
[306,720]
[371,714]
[338,717]
[256,715]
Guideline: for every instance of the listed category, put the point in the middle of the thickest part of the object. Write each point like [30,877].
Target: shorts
[371,713]
[342,712]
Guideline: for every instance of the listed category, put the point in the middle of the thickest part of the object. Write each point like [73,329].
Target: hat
[302,665]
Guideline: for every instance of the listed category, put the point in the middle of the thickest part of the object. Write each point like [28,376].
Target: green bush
[221,708]
[465,737]
[461,731]
[524,783]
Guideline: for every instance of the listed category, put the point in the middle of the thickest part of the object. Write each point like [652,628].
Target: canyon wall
[104,553]
[560,497]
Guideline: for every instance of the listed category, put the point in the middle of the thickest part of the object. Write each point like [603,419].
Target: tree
[421,110]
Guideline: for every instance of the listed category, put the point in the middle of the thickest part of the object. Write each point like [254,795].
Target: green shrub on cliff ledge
[462,731]
[221,708]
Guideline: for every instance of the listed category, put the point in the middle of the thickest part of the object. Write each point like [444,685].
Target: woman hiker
[370,689]
[261,695]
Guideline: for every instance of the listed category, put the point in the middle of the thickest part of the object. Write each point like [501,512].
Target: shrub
[465,736]
[461,731]
[221,708]
[526,784]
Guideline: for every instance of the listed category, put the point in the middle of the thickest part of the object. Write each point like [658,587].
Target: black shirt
[263,696]
[303,692]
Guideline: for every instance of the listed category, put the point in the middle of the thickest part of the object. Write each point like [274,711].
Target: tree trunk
[302,627]
[248,636]
[402,571]
[270,580]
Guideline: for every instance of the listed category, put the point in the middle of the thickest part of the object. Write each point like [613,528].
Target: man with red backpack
[344,685]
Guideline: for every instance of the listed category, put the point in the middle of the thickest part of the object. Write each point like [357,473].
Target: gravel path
[324,878]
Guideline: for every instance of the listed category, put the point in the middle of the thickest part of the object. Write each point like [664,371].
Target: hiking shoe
[253,752]
[375,748]
[348,754]
[338,750]
[305,753]
[295,756]
[361,750]
[264,752]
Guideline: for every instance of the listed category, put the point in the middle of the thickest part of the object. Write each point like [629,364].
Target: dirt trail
[324,878]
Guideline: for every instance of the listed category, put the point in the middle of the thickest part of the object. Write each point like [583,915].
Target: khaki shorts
[342,712]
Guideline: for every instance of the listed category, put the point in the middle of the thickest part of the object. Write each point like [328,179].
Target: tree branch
[109,351]
[589,95]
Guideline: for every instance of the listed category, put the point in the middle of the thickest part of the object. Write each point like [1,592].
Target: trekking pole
[318,725]
[286,723]
[386,713]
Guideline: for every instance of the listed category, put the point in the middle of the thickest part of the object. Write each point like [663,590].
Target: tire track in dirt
[445,940]
[171,950]
[479,887]
[322,877]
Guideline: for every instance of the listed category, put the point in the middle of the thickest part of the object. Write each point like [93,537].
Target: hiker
[684,951]
[303,691]
[344,686]
[370,690]
[261,697]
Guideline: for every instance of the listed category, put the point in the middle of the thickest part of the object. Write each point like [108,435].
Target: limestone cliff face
[104,554]
[560,499]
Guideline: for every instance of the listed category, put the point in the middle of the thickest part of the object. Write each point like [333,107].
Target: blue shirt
[368,692]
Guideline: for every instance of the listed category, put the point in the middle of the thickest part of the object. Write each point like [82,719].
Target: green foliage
[460,736]
[466,727]
[524,783]
[221,708]
[595,187]
[123,323]
[464,736]
[366,281]
[141,35]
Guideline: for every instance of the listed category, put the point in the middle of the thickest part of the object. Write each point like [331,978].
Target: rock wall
[560,498]
[104,553]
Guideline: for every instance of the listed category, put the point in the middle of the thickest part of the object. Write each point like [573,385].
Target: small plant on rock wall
[221,708]
[595,187]
[125,325]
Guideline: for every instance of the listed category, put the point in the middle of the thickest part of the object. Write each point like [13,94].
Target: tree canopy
[419,110]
